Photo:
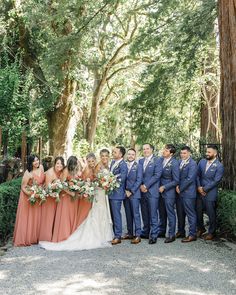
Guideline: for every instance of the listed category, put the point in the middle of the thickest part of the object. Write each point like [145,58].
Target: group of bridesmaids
[51,221]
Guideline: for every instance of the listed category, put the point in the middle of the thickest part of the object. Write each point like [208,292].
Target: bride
[96,229]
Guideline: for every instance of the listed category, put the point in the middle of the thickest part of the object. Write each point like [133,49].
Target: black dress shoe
[180,235]
[152,241]
[169,240]
[144,237]
[161,235]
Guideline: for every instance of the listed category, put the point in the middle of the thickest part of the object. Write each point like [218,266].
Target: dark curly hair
[30,161]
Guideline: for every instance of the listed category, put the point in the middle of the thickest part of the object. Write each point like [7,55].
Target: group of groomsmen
[163,187]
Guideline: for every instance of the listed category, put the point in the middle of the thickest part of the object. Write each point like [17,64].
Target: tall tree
[227,25]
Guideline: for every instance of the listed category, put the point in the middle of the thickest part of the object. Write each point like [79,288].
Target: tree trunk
[93,118]
[62,122]
[210,127]
[227,25]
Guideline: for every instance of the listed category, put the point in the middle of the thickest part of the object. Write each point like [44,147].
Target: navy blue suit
[132,204]
[186,200]
[209,180]
[169,179]
[150,199]
[117,196]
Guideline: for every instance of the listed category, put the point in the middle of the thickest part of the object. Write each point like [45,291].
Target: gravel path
[198,268]
[195,269]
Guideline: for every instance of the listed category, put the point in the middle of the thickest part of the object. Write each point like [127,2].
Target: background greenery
[9,195]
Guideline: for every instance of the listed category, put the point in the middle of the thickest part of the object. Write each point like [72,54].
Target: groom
[119,168]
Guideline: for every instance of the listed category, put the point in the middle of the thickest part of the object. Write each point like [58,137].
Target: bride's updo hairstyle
[104,151]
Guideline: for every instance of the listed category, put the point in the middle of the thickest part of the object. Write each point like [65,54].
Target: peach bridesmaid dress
[66,217]
[28,218]
[85,205]
[48,210]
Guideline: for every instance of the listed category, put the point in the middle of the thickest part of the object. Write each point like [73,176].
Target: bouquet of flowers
[75,185]
[107,181]
[88,190]
[54,189]
[37,194]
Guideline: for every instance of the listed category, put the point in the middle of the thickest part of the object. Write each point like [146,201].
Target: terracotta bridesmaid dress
[66,217]
[85,205]
[48,210]
[28,217]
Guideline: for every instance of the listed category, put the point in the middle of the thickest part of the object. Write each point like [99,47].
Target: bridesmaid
[49,208]
[28,216]
[67,209]
[104,161]
[88,173]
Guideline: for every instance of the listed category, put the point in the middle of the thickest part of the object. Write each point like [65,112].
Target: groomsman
[152,169]
[119,168]
[210,173]
[133,196]
[169,181]
[186,198]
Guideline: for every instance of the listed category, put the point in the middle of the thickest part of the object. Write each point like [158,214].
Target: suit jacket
[188,177]
[121,172]
[134,180]
[210,179]
[152,175]
[170,178]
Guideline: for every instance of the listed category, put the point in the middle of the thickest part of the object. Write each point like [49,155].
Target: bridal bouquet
[75,185]
[37,194]
[88,190]
[54,189]
[107,181]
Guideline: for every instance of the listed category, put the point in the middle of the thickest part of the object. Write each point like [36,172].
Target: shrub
[226,211]
[9,195]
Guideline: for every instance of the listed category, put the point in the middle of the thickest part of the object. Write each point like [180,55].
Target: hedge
[226,211]
[9,195]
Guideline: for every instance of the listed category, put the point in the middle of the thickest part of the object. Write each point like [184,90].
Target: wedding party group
[78,206]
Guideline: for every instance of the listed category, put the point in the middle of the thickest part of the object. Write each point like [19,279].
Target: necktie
[182,164]
[145,163]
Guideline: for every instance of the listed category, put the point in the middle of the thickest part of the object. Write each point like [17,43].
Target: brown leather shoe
[200,232]
[115,241]
[209,237]
[179,235]
[188,239]
[127,237]
[136,240]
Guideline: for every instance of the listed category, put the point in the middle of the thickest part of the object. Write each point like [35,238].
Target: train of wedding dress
[94,232]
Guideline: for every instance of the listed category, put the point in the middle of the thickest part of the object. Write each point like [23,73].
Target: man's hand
[161,189]
[128,194]
[177,189]
[201,191]
[143,188]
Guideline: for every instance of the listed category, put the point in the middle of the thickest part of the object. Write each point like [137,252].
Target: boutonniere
[214,165]
[168,165]
[151,161]
[135,164]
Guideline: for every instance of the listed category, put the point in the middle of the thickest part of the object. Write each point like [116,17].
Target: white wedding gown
[94,232]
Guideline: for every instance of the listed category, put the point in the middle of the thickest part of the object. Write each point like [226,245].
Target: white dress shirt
[146,161]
